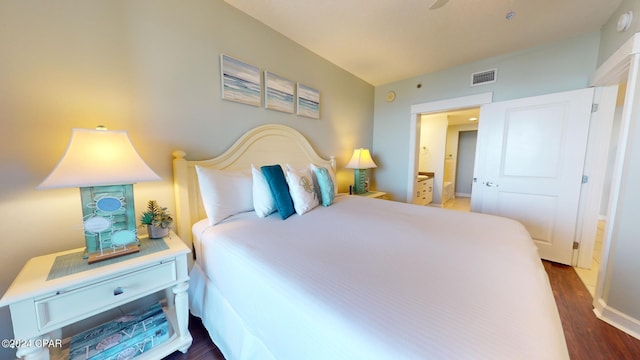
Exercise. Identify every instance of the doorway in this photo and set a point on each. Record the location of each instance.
(441, 153)
(587, 226)
(588, 266)
(467, 141)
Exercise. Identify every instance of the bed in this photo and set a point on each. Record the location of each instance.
(361, 278)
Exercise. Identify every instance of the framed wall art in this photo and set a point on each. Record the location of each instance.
(308, 102)
(241, 82)
(278, 93)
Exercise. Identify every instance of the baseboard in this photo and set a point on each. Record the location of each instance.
(616, 318)
(463, 195)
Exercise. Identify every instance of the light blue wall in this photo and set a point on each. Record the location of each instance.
(560, 66)
(150, 67)
(610, 38)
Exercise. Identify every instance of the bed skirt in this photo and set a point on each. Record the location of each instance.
(206, 302)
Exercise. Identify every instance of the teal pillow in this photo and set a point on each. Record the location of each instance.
(279, 190)
(325, 183)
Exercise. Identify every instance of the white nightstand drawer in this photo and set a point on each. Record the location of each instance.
(57, 310)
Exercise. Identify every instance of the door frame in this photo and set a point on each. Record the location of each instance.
(598, 143)
(434, 107)
(623, 65)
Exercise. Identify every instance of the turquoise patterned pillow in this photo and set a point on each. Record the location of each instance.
(325, 183)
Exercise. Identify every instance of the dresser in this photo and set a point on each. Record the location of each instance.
(424, 190)
(47, 296)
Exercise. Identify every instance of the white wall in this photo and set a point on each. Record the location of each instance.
(150, 67)
(433, 139)
(560, 66)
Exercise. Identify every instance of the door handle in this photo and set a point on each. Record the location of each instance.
(490, 184)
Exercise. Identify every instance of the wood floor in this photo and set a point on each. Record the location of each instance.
(588, 338)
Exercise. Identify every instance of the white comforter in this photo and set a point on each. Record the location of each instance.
(373, 279)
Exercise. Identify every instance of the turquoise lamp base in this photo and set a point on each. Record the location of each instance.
(359, 181)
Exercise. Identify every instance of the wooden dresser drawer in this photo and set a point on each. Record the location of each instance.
(424, 192)
(63, 308)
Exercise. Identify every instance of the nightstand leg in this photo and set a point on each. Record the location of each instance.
(181, 303)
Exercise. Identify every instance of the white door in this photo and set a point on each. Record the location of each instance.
(530, 160)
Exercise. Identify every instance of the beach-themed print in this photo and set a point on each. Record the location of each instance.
(308, 102)
(279, 93)
(241, 82)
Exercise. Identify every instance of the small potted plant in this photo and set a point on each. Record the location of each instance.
(157, 219)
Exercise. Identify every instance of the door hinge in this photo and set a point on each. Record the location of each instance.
(585, 179)
(576, 245)
(594, 108)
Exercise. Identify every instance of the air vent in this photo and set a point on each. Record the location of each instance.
(484, 77)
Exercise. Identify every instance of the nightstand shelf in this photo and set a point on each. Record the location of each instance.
(45, 296)
(375, 194)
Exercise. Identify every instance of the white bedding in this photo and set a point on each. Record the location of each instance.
(373, 279)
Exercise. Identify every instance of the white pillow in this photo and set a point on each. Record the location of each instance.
(332, 174)
(302, 190)
(263, 202)
(224, 193)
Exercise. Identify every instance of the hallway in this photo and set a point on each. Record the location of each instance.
(459, 204)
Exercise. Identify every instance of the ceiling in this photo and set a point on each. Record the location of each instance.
(382, 41)
(462, 117)
(459, 117)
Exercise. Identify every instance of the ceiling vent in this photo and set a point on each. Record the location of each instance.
(484, 77)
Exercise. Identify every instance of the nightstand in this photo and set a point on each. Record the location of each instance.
(57, 290)
(375, 194)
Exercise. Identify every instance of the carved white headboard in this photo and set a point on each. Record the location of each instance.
(263, 145)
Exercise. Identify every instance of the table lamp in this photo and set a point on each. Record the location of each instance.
(360, 162)
(104, 165)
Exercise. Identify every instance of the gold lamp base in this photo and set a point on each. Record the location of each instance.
(110, 254)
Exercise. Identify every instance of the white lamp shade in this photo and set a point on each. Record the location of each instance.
(361, 159)
(98, 158)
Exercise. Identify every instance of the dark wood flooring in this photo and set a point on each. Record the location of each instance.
(202, 347)
(588, 338)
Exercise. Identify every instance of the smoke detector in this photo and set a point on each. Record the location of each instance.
(624, 21)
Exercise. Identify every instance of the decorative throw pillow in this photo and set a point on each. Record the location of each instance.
(332, 176)
(301, 189)
(279, 190)
(263, 202)
(224, 193)
(325, 185)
